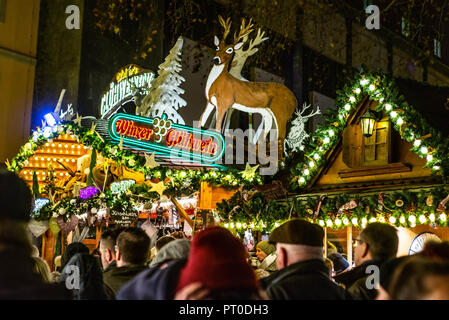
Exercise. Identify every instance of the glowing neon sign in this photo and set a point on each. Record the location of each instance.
(166, 138)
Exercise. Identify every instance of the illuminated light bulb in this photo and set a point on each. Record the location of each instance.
(239, 225)
(417, 143)
(321, 223)
(422, 219)
(443, 217)
(358, 90)
(372, 87)
(37, 172)
(354, 221)
(47, 144)
(392, 220)
(60, 145)
(226, 225)
(436, 167)
(311, 164)
(429, 158)
(306, 172)
(302, 180)
(347, 107)
(276, 224)
(364, 82)
(316, 156)
(394, 114)
(66, 146)
(432, 217)
(412, 219)
(372, 220)
(402, 219)
(364, 221)
(338, 222)
(331, 133)
(399, 121)
(381, 99)
(232, 225)
(340, 116)
(73, 146)
(345, 221)
(352, 99)
(329, 223)
(301, 148)
(52, 144)
(73, 160)
(382, 219)
(252, 225)
(424, 150)
(326, 140)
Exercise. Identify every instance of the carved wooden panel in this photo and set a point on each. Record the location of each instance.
(352, 145)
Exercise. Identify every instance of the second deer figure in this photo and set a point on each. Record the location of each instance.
(274, 101)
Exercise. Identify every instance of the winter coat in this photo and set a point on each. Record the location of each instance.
(154, 283)
(90, 284)
(115, 278)
(18, 282)
(306, 280)
(355, 280)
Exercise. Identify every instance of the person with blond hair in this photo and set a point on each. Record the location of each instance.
(42, 269)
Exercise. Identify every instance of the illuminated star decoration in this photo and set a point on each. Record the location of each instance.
(8, 165)
(158, 187)
(150, 162)
(78, 119)
(249, 172)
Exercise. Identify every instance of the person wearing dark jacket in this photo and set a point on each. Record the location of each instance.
(376, 244)
(17, 279)
(215, 269)
(133, 246)
(71, 250)
(302, 274)
(108, 241)
(84, 277)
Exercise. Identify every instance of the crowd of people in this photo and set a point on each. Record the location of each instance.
(214, 264)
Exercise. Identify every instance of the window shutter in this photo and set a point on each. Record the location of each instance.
(352, 145)
(377, 148)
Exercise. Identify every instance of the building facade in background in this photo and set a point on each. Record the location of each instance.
(19, 22)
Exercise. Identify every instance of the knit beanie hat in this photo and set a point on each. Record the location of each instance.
(266, 247)
(217, 260)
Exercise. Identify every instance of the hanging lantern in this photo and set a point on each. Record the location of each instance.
(368, 120)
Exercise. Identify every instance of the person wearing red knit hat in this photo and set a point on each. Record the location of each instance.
(217, 269)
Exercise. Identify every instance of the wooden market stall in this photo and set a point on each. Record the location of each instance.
(382, 157)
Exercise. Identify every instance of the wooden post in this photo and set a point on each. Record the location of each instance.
(325, 242)
(349, 245)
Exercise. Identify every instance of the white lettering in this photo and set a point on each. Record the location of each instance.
(373, 21)
(72, 21)
(372, 282)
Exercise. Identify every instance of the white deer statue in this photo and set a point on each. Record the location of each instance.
(274, 101)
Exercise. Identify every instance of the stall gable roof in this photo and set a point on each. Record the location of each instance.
(428, 133)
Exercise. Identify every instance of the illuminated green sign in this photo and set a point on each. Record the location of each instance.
(166, 138)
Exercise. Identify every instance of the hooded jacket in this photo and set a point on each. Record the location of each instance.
(115, 278)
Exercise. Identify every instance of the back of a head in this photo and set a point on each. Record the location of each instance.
(71, 250)
(382, 240)
(340, 263)
(162, 241)
(109, 237)
(419, 278)
(41, 269)
(436, 250)
(217, 259)
(175, 250)
(15, 211)
(90, 277)
(134, 245)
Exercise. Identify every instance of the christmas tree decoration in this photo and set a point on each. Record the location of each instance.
(121, 186)
(164, 96)
(93, 162)
(35, 188)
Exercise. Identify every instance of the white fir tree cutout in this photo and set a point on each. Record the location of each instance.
(164, 96)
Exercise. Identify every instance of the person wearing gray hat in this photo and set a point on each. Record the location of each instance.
(302, 274)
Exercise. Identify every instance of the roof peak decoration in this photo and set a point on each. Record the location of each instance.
(428, 142)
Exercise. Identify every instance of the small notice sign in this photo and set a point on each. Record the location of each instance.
(124, 219)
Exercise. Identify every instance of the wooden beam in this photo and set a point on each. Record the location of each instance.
(182, 212)
(375, 170)
(349, 245)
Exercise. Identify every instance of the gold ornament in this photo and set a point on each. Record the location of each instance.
(78, 119)
(150, 162)
(158, 187)
(399, 203)
(429, 200)
(92, 128)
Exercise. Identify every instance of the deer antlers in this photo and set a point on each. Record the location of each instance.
(226, 26)
(244, 31)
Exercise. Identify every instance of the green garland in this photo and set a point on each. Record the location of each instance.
(406, 120)
(403, 208)
(179, 182)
